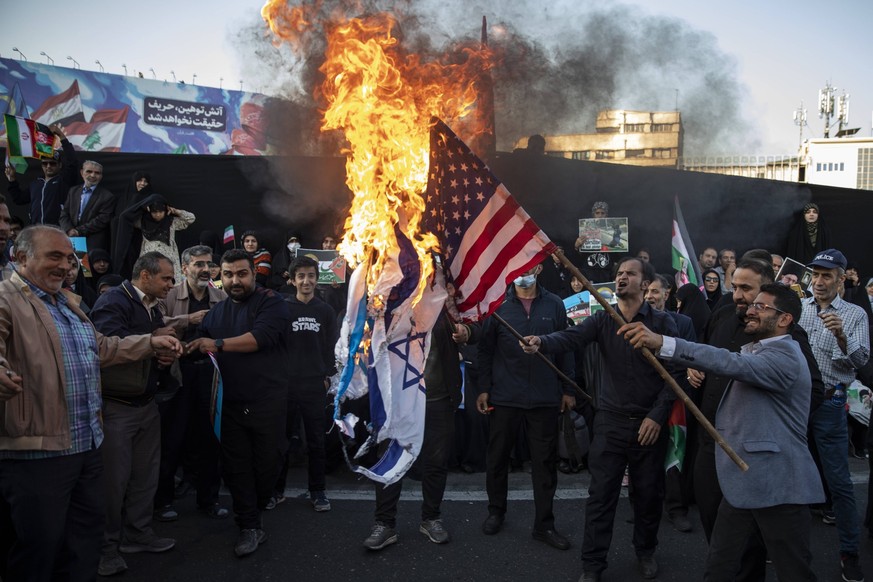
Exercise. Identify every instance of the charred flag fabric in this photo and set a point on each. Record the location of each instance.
(381, 352)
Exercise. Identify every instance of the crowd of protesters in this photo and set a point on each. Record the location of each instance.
(126, 418)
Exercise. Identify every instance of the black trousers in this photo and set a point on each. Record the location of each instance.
(58, 510)
(187, 431)
(707, 493)
(439, 427)
(542, 439)
(613, 448)
(308, 398)
(785, 530)
(252, 441)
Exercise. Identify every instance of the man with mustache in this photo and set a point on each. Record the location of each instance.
(247, 333)
(633, 404)
(188, 412)
(52, 489)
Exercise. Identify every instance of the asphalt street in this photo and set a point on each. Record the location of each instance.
(304, 545)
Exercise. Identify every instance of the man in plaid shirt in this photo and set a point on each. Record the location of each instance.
(840, 341)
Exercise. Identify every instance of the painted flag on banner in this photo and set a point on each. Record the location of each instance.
(382, 352)
(228, 235)
(15, 104)
(217, 397)
(64, 108)
(486, 238)
(27, 138)
(684, 257)
(677, 429)
(104, 133)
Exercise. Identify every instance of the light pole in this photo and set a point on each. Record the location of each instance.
(240, 85)
(21, 56)
(153, 74)
(194, 80)
(48, 59)
(75, 62)
(125, 69)
(99, 64)
(174, 75)
(220, 80)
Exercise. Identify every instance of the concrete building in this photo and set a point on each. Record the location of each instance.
(843, 162)
(639, 138)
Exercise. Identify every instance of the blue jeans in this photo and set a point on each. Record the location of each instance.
(832, 439)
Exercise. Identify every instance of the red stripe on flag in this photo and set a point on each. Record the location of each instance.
(483, 240)
(497, 262)
(56, 100)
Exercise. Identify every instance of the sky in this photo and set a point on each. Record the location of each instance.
(783, 52)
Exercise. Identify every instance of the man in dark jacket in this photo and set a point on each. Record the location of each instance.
(45, 196)
(516, 389)
(248, 335)
(311, 339)
(633, 408)
(131, 422)
(89, 208)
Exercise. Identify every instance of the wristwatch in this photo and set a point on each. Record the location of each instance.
(219, 345)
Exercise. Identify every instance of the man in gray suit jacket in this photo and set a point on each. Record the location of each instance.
(764, 414)
(89, 208)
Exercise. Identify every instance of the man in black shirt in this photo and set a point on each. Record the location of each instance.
(634, 405)
(248, 335)
(311, 340)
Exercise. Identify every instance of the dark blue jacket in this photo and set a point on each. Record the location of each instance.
(511, 377)
(120, 312)
(45, 197)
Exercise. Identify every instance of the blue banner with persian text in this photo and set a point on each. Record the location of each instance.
(107, 112)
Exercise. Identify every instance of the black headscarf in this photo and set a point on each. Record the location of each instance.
(712, 297)
(155, 230)
(694, 306)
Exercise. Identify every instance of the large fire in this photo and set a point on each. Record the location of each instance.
(382, 98)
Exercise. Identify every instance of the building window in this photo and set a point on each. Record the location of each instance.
(634, 127)
(634, 153)
(818, 167)
(605, 155)
(662, 153)
(583, 155)
(662, 127)
(864, 181)
(842, 166)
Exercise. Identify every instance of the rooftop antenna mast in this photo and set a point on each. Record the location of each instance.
(800, 120)
(826, 107)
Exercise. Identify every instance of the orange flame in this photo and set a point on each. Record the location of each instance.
(382, 98)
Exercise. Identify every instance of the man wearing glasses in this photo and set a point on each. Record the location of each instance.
(727, 329)
(764, 416)
(45, 196)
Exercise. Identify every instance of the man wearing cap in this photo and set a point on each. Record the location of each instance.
(45, 196)
(840, 339)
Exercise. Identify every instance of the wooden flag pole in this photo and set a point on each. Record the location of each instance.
(650, 357)
(543, 357)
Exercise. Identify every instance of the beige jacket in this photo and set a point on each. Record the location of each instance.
(175, 306)
(36, 419)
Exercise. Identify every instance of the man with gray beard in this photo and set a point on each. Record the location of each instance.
(187, 413)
